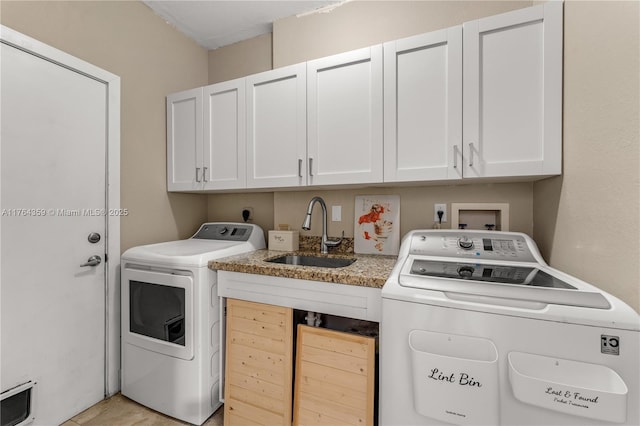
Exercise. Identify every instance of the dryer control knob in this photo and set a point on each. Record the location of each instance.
(223, 230)
(465, 243)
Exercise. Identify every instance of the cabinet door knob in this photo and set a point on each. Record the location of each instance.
(204, 174)
(197, 171)
(470, 154)
(299, 167)
(310, 166)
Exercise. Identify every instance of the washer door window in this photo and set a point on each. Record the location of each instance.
(157, 311)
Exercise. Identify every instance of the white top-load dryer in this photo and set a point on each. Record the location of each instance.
(171, 320)
(478, 330)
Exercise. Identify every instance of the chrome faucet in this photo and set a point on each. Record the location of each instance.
(306, 225)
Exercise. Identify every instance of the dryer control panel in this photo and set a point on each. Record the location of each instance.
(224, 231)
(488, 245)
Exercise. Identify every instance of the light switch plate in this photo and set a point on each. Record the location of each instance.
(336, 213)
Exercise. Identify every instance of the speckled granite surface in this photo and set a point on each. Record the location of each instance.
(367, 270)
(311, 244)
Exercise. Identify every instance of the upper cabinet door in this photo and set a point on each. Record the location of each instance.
(276, 128)
(184, 140)
(344, 111)
(224, 144)
(423, 106)
(513, 93)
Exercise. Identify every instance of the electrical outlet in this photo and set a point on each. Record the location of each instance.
(243, 214)
(443, 209)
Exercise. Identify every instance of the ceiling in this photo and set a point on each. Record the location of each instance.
(216, 23)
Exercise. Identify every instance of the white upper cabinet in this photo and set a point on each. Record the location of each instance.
(481, 100)
(512, 116)
(344, 118)
(276, 128)
(224, 141)
(184, 140)
(423, 106)
(206, 138)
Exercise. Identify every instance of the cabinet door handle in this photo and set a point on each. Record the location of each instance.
(310, 166)
(471, 155)
(204, 174)
(197, 171)
(299, 167)
(455, 156)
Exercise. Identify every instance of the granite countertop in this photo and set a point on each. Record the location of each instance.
(367, 271)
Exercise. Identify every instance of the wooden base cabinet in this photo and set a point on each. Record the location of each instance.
(335, 378)
(259, 363)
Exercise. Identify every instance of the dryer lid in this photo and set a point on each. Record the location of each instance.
(212, 241)
(189, 252)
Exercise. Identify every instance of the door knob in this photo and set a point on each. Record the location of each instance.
(93, 261)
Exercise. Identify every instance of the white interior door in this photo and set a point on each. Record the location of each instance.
(54, 140)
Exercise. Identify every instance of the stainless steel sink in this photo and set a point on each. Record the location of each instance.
(323, 262)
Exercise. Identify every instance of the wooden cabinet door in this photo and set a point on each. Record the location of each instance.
(344, 111)
(276, 128)
(224, 138)
(335, 378)
(423, 106)
(512, 116)
(259, 363)
(184, 140)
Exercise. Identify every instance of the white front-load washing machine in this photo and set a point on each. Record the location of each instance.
(477, 329)
(171, 320)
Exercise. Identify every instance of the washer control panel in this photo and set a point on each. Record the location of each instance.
(465, 243)
(492, 245)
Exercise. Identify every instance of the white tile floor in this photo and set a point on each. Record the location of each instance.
(121, 411)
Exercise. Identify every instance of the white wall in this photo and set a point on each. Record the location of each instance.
(587, 221)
